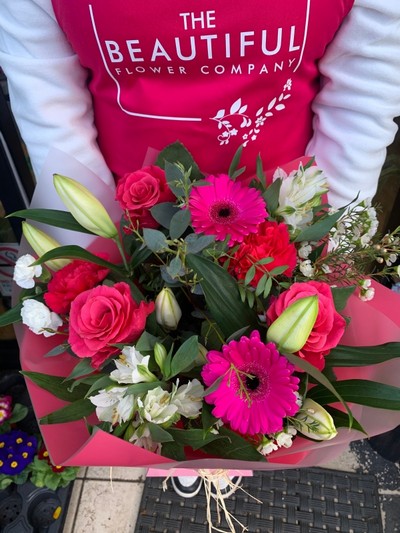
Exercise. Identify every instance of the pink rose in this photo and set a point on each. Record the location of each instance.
(328, 328)
(137, 192)
(70, 281)
(103, 316)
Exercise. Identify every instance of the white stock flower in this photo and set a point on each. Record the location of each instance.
(305, 250)
(189, 399)
(156, 406)
(132, 367)
(306, 268)
(113, 405)
(24, 272)
(285, 438)
(39, 318)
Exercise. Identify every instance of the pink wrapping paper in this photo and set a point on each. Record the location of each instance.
(374, 322)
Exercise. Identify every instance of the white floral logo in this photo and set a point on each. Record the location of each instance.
(237, 117)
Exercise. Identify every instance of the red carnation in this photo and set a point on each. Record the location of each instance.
(68, 282)
(271, 240)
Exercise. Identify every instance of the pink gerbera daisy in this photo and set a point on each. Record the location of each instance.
(226, 207)
(257, 390)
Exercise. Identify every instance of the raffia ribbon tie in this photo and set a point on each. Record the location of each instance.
(211, 479)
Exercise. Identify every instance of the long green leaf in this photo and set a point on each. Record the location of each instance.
(222, 296)
(195, 438)
(76, 252)
(57, 386)
(140, 388)
(158, 434)
(350, 356)
(235, 161)
(318, 376)
(52, 217)
(11, 316)
(341, 419)
(83, 368)
(320, 228)
(185, 356)
(74, 411)
(238, 448)
(362, 392)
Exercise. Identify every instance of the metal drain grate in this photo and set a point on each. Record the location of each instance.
(311, 500)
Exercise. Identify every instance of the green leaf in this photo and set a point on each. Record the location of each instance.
(278, 270)
(318, 376)
(341, 420)
(158, 434)
(179, 223)
(173, 451)
(174, 176)
(260, 172)
(146, 342)
(320, 228)
(57, 350)
(235, 448)
(163, 213)
(52, 217)
(19, 412)
(237, 334)
(222, 296)
(83, 368)
(185, 356)
(360, 391)
(195, 438)
(76, 252)
(57, 386)
(74, 411)
(268, 287)
(101, 383)
(341, 295)
(11, 316)
(175, 267)
(178, 152)
(351, 356)
(250, 275)
(155, 240)
(140, 388)
(271, 196)
(235, 161)
(196, 243)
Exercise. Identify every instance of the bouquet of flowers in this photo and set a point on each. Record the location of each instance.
(212, 329)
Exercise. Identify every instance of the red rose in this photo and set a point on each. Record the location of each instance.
(271, 240)
(137, 192)
(328, 328)
(103, 316)
(71, 280)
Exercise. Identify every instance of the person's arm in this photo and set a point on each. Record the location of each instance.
(47, 85)
(359, 98)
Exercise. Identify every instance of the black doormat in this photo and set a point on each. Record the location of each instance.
(310, 500)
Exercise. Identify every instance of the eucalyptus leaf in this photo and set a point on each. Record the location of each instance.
(178, 152)
(154, 240)
(175, 268)
(74, 411)
(179, 223)
(196, 243)
(174, 176)
(360, 391)
(52, 217)
(163, 213)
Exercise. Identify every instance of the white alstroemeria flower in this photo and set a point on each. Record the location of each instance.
(24, 272)
(39, 318)
(189, 399)
(300, 191)
(267, 446)
(306, 268)
(132, 367)
(142, 438)
(156, 406)
(285, 438)
(113, 405)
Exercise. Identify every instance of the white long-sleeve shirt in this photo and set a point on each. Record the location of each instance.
(354, 109)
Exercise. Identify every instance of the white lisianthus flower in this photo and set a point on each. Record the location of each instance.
(39, 318)
(24, 272)
(306, 268)
(132, 367)
(189, 399)
(267, 446)
(285, 438)
(300, 191)
(113, 405)
(156, 406)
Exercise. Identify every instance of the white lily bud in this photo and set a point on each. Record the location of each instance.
(42, 243)
(168, 312)
(315, 422)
